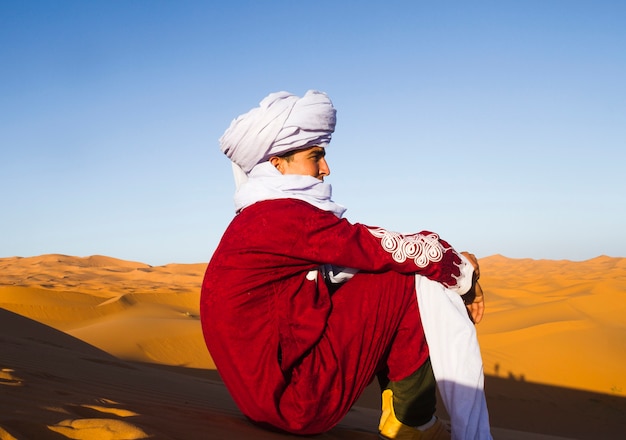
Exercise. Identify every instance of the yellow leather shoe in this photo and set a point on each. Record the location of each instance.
(392, 428)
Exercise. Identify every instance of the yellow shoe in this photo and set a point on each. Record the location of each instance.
(392, 428)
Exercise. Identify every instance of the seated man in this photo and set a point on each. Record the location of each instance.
(302, 309)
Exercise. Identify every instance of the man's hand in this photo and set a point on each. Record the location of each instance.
(474, 299)
(475, 307)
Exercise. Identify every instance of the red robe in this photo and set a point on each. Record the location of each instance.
(293, 355)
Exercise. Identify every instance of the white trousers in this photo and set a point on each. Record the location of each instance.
(456, 359)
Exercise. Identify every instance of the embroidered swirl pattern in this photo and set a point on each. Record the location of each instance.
(422, 249)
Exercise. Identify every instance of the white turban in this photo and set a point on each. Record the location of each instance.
(283, 122)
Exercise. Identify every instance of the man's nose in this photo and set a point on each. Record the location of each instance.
(324, 168)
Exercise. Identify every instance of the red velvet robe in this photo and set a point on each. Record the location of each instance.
(293, 355)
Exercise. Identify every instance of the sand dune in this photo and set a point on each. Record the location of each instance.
(103, 348)
(556, 322)
(102, 300)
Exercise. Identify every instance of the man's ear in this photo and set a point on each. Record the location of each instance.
(277, 162)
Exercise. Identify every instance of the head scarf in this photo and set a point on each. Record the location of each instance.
(283, 122)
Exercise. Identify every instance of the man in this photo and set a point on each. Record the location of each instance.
(301, 309)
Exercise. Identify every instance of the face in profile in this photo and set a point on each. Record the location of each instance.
(307, 162)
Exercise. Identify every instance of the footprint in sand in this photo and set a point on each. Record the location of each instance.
(7, 377)
(4, 435)
(105, 429)
(101, 428)
(117, 411)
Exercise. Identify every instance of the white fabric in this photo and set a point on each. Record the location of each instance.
(455, 357)
(265, 182)
(283, 122)
(337, 274)
(240, 175)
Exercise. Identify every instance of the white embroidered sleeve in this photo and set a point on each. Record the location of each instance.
(423, 249)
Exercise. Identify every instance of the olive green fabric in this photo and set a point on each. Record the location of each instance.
(414, 397)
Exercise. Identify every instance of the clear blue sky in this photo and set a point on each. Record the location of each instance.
(501, 125)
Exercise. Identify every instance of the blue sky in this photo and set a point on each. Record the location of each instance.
(501, 125)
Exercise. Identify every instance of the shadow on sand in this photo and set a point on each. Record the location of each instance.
(58, 377)
(515, 404)
(536, 408)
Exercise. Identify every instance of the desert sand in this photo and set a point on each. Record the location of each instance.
(100, 348)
